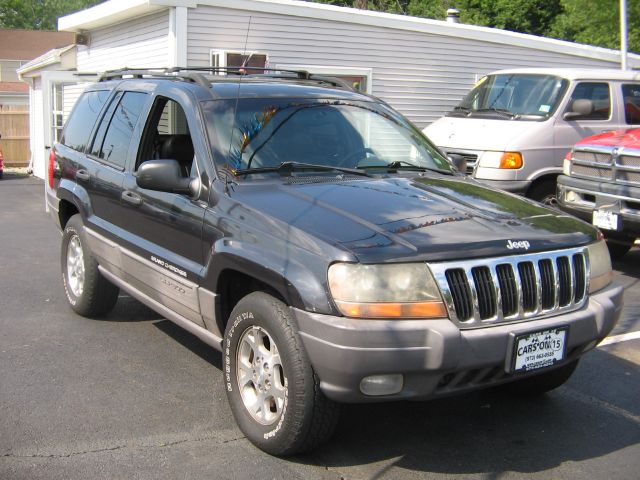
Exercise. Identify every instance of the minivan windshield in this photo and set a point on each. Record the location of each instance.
(265, 136)
(514, 96)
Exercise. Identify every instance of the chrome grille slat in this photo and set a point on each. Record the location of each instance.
(513, 288)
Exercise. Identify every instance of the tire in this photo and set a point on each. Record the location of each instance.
(264, 357)
(88, 292)
(545, 193)
(618, 248)
(541, 383)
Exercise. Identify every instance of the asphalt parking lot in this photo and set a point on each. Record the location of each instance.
(133, 396)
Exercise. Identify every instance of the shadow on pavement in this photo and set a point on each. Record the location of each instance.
(490, 432)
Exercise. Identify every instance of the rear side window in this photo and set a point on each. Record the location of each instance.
(76, 133)
(631, 96)
(112, 145)
(598, 93)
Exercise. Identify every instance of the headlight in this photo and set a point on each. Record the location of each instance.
(385, 291)
(600, 264)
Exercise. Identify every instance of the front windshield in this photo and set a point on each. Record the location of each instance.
(514, 94)
(268, 132)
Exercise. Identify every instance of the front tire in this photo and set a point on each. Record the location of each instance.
(88, 292)
(545, 193)
(271, 386)
(542, 382)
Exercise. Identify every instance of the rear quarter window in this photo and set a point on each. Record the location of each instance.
(83, 118)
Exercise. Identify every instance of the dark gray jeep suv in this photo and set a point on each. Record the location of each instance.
(321, 242)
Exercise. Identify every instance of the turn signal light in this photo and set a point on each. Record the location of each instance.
(393, 310)
(511, 160)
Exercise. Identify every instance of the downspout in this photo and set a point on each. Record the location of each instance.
(623, 34)
(177, 37)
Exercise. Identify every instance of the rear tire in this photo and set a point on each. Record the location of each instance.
(541, 383)
(271, 386)
(618, 248)
(88, 292)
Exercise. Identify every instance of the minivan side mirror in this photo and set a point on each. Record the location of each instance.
(163, 176)
(580, 108)
(459, 162)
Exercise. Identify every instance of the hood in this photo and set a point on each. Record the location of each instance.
(629, 138)
(481, 133)
(414, 219)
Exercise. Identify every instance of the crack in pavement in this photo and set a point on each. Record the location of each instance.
(120, 447)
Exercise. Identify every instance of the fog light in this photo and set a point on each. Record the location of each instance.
(570, 196)
(381, 384)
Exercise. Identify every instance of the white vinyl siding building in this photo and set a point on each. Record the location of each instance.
(421, 67)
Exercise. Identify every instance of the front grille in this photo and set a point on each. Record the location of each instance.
(505, 289)
(593, 172)
(607, 164)
(470, 158)
(592, 157)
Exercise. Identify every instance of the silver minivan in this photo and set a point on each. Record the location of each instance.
(515, 126)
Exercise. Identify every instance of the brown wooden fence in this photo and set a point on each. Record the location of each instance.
(14, 128)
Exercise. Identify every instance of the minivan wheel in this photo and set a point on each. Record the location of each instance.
(271, 386)
(542, 382)
(88, 292)
(545, 193)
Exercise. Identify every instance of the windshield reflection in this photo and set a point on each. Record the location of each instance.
(513, 96)
(265, 133)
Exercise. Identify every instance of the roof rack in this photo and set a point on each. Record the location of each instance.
(192, 74)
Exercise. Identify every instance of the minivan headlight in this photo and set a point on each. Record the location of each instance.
(600, 266)
(405, 290)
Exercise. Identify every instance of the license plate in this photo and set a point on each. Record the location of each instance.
(539, 349)
(605, 219)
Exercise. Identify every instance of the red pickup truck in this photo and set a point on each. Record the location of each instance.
(601, 184)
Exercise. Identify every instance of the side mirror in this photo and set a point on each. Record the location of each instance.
(459, 162)
(163, 176)
(580, 108)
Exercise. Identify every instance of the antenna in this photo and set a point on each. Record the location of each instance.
(235, 110)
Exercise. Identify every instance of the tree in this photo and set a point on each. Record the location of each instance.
(593, 23)
(38, 14)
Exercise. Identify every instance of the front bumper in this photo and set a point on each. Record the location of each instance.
(434, 356)
(588, 195)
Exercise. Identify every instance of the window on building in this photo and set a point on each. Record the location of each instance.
(631, 96)
(57, 112)
(82, 119)
(236, 60)
(599, 94)
(114, 145)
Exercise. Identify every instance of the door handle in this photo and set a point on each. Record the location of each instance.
(82, 175)
(131, 197)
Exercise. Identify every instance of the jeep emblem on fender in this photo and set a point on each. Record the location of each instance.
(511, 245)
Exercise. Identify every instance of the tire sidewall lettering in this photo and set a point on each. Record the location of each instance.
(229, 366)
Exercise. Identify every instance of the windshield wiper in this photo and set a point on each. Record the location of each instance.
(500, 111)
(402, 165)
(287, 168)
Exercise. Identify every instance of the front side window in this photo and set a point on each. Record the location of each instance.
(114, 145)
(598, 93)
(513, 96)
(631, 96)
(265, 133)
(83, 118)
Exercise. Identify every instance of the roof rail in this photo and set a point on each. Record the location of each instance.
(192, 74)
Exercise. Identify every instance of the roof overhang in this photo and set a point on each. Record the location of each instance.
(114, 11)
(63, 58)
